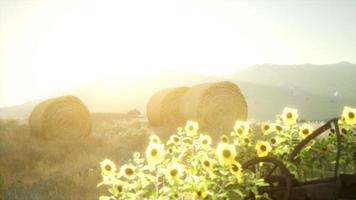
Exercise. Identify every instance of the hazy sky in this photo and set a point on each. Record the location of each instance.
(49, 45)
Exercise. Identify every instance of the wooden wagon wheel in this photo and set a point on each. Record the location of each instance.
(313, 135)
(277, 164)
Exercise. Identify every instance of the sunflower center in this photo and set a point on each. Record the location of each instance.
(266, 127)
(129, 171)
(351, 115)
(107, 167)
(278, 128)
(170, 150)
(235, 168)
(174, 172)
(186, 140)
(154, 152)
(240, 131)
(176, 139)
(119, 188)
(343, 130)
(224, 139)
(289, 115)
(226, 153)
(305, 131)
(246, 140)
(273, 141)
(205, 141)
(206, 163)
(199, 193)
(191, 128)
(263, 148)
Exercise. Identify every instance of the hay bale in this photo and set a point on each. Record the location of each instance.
(64, 117)
(216, 106)
(163, 108)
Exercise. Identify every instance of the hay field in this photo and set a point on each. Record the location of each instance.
(34, 169)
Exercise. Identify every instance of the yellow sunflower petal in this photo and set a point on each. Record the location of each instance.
(226, 153)
(349, 115)
(290, 116)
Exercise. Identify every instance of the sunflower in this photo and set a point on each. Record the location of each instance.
(208, 163)
(275, 140)
(119, 188)
(154, 139)
(236, 169)
(127, 170)
(305, 130)
(266, 128)
(108, 167)
(226, 153)
(240, 124)
(277, 127)
(241, 131)
(171, 150)
(174, 139)
(325, 149)
(174, 172)
(187, 140)
(154, 154)
(200, 194)
(344, 131)
(191, 128)
(137, 158)
(245, 141)
(289, 116)
(180, 131)
(311, 143)
(205, 140)
(349, 115)
(241, 128)
(332, 130)
(263, 148)
(119, 185)
(224, 139)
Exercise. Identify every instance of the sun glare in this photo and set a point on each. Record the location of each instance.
(63, 44)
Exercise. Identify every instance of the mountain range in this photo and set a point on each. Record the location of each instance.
(319, 92)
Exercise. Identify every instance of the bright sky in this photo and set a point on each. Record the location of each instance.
(50, 45)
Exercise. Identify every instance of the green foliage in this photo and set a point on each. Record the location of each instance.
(189, 167)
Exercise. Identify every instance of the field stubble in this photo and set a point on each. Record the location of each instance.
(37, 169)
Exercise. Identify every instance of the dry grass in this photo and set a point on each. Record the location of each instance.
(35, 169)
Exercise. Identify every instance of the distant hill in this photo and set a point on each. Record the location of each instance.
(19, 111)
(318, 91)
(323, 80)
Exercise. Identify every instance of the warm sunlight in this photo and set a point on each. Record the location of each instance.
(53, 45)
(177, 99)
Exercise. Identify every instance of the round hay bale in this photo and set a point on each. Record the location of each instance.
(64, 117)
(216, 106)
(163, 107)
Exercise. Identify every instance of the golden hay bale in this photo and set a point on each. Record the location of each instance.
(216, 106)
(163, 107)
(64, 117)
